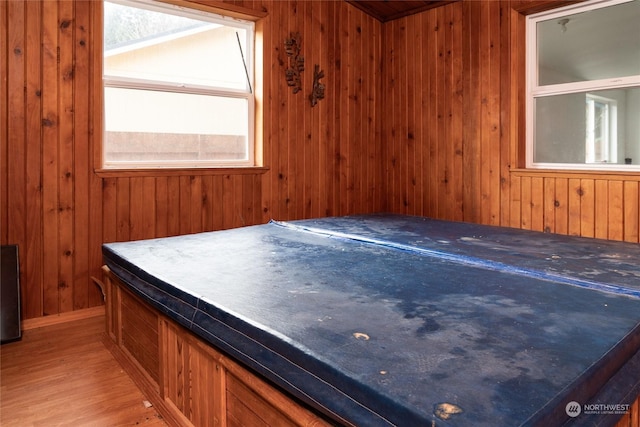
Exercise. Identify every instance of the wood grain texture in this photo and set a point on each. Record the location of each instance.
(422, 115)
(321, 161)
(469, 117)
(64, 375)
(191, 382)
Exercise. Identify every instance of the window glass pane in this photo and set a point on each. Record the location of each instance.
(142, 125)
(597, 44)
(145, 44)
(597, 127)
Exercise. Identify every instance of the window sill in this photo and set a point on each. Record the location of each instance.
(156, 172)
(565, 173)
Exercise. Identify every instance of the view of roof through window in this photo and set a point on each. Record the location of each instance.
(177, 86)
(129, 25)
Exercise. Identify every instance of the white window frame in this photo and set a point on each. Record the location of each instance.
(536, 91)
(609, 131)
(143, 84)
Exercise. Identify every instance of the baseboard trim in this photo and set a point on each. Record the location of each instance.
(55, 319)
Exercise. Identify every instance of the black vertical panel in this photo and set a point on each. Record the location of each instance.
(10, 297)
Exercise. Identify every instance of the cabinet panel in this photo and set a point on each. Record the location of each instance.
(139, 333)
(189, 381)
(193, 378)
(246, 408)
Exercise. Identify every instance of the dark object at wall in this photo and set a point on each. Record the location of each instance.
(293, 47)
(318, 88)
(10, 298)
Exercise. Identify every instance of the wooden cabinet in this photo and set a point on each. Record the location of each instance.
(190, 382)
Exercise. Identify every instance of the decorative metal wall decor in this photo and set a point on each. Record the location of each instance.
(318, 88)
(292, 47)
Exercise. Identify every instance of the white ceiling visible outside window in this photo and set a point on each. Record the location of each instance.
(575, 55)
(177, 87)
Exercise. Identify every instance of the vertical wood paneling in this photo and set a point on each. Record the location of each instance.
(49, 141)
(280, 144)
(333, 150)
(491, 115)
(423, 137)
(142, 206)
(561, 204)
(16, 122)
(489, 57)
(207, 203)
(123, 210)
(342, 96)
(81, 165)
(631, 211)
(162, 207)
(98, 209)
(507, 116)
(442, 173)
(66, 207)
(32, 251)
(574, 203)
(110, 222)
(415, 135)
(174, 211)
(295, 157)
(515, 210)
(312, 12)
(471, 90)
(404, 144)
(549, 219)
(601, 213)
(615, 211)
(421, 115)
(322, 160)
(431, 119)
(389, 74)
(537, 204)
(526, 201)
(4, 119)
(456, 112)
(587, 208)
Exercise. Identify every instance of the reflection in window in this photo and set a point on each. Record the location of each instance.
(601, 131)
(177, 87)
(583, 87)
(594, 129)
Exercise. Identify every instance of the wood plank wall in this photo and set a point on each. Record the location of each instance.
(454, 123)
(422, 115)
(321, 161)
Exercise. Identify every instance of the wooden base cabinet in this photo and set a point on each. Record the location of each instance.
(188, 381)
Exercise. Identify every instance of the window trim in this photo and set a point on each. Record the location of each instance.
(228, 12)
(610, 122)
(533, 90)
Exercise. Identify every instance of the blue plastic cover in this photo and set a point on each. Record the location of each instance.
(399, 320)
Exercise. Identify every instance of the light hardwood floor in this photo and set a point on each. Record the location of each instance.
(63, 375)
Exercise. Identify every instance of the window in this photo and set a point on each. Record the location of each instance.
(177, 87)
(583, 87)
(601, 131)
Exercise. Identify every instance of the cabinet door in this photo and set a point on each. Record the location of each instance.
(193, 377)
(245, 407)
(139, 333)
